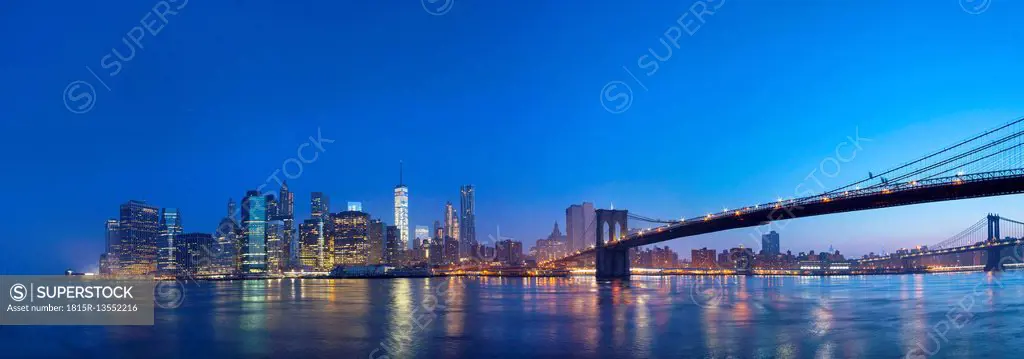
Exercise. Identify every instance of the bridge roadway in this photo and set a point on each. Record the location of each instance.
(962, 249)
(978, 185)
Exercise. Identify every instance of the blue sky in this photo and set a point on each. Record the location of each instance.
(503, 95)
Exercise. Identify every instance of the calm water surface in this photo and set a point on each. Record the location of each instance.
(648, 317)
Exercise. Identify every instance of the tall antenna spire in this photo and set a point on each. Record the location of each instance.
(400, 170)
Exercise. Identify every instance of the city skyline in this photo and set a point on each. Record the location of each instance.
(529, 152)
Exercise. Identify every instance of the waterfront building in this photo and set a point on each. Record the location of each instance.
(741, 258)
(552, 247)
(319, 205)
(421, 233)
(350, 237)
(770, 243)
(655, 257)
(254, 234)
(108, 260)
(286, 214)
(467, 222)
(703, 258)
(228, 239)
(579, 226)
(311, 245)
(724, 260)
(393, 249)
(170, 227)
(402, 211)
(377, 245)
(451, 250)
(451, 222)
(275, 246)
(193, 254)
(509, 252)
(139, 229)
(436, 252)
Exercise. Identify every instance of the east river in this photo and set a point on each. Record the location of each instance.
(926, 315)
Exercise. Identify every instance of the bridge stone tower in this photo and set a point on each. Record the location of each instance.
(612, 263)
(992, 255)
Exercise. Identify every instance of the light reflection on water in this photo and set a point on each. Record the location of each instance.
(649, 316)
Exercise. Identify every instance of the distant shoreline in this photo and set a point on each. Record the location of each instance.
(567, 276)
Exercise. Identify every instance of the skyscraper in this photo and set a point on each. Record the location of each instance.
(320, 209)
(311, 246)
(170, 227)
(286, 209)
(355, 206)
(451, 222)
(319, 205)
(275, 246)
(227, 236)
(392, 245)
(452, 248)
(112, 239)
(770, 243)
(375, 236)
(139, 233)
(509, 252)
(422, 232)
(422, 235)
(436, 252)
(193, 255)
(579, 226)
(108, 260)
(402, 211)
(286, 213)
(351, 245)
(467, 225)
(254, 234)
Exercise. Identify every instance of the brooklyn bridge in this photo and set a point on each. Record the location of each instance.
(984, 165)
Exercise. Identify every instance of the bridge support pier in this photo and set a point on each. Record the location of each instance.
(993, 261)
(611, 263)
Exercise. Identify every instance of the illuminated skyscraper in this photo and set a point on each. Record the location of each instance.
(170, 227)
(286, 213)
(227, 236)
(276, 260)
(139, 232)
(108, 260)
(275, 246)
(467, 223)
(254, 234)
(402, 211)
(355, 206)
(286, 207)
(112, 239)
(451, 222)
(311, 246)
(320, 209)
(319, 205)
(351, 242)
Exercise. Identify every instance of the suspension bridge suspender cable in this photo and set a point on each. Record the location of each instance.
(929, 155)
